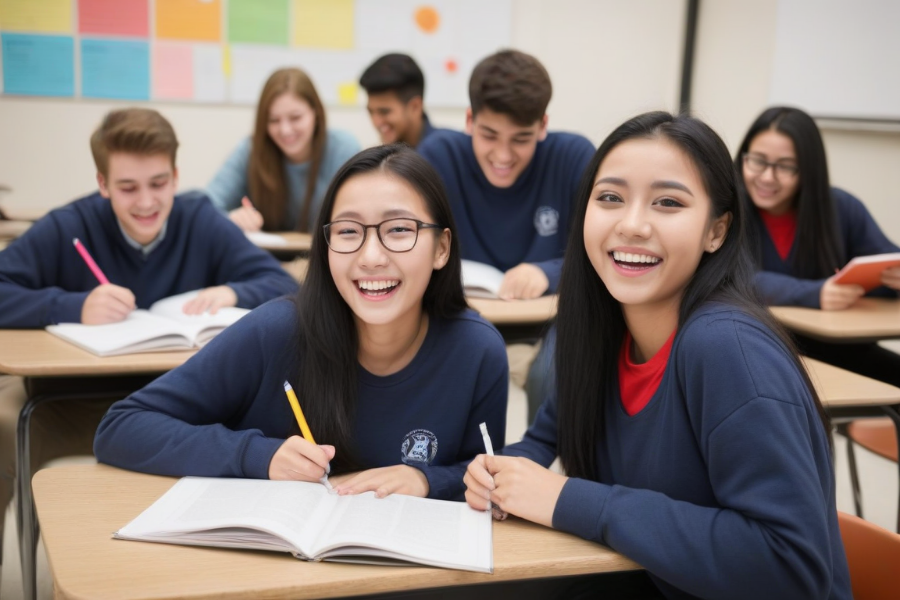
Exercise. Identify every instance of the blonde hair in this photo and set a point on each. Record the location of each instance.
(134, 130)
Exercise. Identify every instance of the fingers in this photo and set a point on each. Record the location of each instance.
(891, 278)
(835, 296)
(247, 217)
(384, 481)
(479, 483)
(210, 299)
(523, 282)
(107, 303)
(300, 460)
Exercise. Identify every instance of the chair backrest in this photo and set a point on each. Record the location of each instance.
(873, 554)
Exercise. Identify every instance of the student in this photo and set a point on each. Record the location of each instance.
(510, 181)
(693, 440)
(149, 243)
(275, 179)
(802, 230)
(396, 87)
(393, 373)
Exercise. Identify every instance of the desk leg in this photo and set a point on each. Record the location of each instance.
(26, 518)
(894, 413)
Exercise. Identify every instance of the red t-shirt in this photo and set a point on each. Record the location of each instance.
(638, 382)
(782, 229)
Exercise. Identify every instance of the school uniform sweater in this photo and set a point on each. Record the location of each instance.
(722, 486)
(859, 234)
(232, 181)
(224, 412)
(43, 279)
(527, 222)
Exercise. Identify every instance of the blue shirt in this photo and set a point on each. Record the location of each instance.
(224, 412)
(231, 183)
(43, 279)
(527, 222)
(723, 485)
(859, 234)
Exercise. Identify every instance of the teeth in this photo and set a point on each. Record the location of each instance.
(377, 285)
(628, 257)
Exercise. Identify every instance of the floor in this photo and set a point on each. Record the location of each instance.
(878, 478)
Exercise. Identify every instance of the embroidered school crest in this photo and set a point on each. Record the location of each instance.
(419, 446)
(546, 221)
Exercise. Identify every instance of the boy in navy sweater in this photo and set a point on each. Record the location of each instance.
(149, 243)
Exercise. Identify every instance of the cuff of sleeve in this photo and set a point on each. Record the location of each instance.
(67, 308)
(444, 483)
(579, 509)
(552, 269)
(258, 455)
(240, 291)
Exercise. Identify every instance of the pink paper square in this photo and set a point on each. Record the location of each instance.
(114, 17)
(173, 71)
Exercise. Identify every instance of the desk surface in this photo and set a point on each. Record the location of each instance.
(505, 312)
(10, 230)
(36, 353)
(868, 320)
(839, 388)
(79, 507)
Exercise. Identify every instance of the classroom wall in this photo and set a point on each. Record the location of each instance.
(734, 62)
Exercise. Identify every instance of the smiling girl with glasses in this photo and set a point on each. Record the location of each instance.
(393, 372)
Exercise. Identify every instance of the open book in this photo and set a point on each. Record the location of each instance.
(312, 524)
(265, 240)
(481, 280)
(163, 327)
(866, 270)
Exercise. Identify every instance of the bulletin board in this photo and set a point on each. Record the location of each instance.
(222, 51)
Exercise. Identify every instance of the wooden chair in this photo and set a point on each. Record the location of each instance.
(878, 436)
(873, 554)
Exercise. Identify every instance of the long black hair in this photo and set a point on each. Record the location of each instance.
(327, 338)
(819, 247)
(590, 323)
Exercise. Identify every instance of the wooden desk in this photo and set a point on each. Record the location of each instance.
(10, 230)
(293, 244)
(81, 505)
(49, 366)
(868, 320)
(839, 388)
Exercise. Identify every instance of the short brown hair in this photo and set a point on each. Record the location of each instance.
(133, 130)
(511, 83)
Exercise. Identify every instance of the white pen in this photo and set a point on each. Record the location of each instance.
(498, 512)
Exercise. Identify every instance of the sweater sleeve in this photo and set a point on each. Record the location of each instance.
(251, 272)
(230, 183)
(178, 424)
(768, 466)
(489, 407)
(29, 296)
(552, 269)
(779, 289)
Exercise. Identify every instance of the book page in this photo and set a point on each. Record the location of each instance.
(218, 512)
(265, 240)
(140, 331)
(481, 280)
(172, 308)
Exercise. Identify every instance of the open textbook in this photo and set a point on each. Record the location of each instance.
(163, 327)
(481, 280)
(311, 523)
(866, 270)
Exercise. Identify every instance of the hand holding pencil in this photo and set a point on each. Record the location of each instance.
(107, 303)
(300, 458)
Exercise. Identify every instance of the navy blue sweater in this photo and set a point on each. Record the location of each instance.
(43, 279)
(526, 222)
(722, 486)
(859, 233)
(224, 412)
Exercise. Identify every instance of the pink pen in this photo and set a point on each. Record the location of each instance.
(90, 262)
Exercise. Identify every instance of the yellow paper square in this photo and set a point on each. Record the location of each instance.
(323, 23)
(46, 16)
(348, 92)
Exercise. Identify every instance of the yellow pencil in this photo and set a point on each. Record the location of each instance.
(298, 412)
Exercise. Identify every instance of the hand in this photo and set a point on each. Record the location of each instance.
(299, 460)
(891, 278)
(107, 304)
(523, 282)
(837, 296)
(398, 479)
(516, 485)
(210, 299)
(247, 217)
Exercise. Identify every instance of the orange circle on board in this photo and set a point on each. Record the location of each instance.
(451, 65)
(428, 19)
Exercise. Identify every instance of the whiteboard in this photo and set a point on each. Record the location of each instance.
(838, 58)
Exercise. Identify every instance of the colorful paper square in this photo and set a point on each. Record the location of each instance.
(173, 71)
(258, 21)
(115, 69)
(323, 23)
(189, 20)
(38, 65)
(114, 17)
(36, 16)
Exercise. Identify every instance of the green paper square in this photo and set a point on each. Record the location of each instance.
(258, 21)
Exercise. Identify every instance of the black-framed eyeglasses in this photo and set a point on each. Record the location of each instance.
(758, 164)
(396, 235)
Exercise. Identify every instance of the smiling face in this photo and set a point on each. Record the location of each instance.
(291, 124)
(502, 147)
(141, 190)
(648, 224)
(771, 191)
(395, 120)
(385, 288)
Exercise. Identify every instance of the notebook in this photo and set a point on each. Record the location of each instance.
(161, 328)
(481, 280)
(307, 521)
(866, 270)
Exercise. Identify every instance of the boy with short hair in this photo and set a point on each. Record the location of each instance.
(395, 87)
(148, 242)
(511, 183)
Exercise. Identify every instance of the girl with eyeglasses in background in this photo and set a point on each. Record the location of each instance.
(393, 372)
(691, 437)
(802, 231)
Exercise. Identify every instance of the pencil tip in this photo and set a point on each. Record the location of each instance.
(287, 386)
